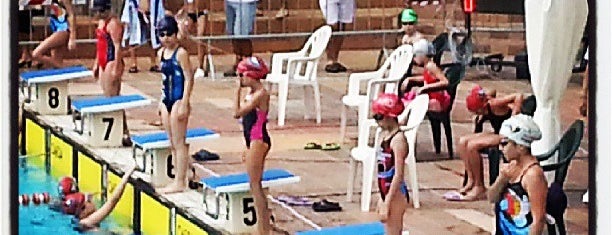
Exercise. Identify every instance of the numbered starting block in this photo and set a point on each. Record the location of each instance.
(51, 88)
(227, 199)
(157, 158)
(104, 117)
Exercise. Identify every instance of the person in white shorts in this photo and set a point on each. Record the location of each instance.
(337, 13)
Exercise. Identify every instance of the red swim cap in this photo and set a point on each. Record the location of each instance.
(476, 99)
(388, 104)
(67, 185)
(253, 67)
(73, 203)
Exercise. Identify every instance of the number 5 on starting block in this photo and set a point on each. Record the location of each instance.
(51, 87)
(229, 202)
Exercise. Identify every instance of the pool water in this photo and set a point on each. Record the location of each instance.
(40, 219)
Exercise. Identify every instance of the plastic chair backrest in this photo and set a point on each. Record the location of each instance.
(566, 148)
(399, 61)
(418, 109)
(314, 47)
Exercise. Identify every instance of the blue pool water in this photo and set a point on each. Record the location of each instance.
(39, 219)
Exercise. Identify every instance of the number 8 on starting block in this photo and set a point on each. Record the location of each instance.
(51, 88)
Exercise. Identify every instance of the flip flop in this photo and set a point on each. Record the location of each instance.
(133, 69)
(454, 196)
(330, 147)
(205, 155)
(312, 145)
(294, 201)
(458, 197)
(326, 206)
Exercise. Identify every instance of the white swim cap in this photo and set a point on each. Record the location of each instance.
(521, 129)
(423, 47)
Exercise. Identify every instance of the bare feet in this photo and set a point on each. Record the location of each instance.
(172, 188)
(468, 186)
(477, 193)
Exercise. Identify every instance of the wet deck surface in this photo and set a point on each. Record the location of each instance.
(324, 174)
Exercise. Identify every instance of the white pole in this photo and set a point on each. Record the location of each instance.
(603, 124)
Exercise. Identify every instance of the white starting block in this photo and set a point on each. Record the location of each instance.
(227, 199)
(51, 88)
(104, 116)
(156, 152)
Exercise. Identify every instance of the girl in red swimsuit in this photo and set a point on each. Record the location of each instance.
(433, 82)
(391, 156)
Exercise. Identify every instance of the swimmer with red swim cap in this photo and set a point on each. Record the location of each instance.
(84, 210)
(486, 106)
(390, 157)
(254, 114)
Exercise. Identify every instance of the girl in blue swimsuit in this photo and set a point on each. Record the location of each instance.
(390, 157)
(61, 22)
(254, 114)
(174, 108)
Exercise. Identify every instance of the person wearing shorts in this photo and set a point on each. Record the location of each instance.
(337, 13)
(240, 18)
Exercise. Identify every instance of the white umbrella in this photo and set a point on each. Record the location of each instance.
(554, 29)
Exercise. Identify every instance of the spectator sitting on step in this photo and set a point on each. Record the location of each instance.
(408, 19)
(486, 106)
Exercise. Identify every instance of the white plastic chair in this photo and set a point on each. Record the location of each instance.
(364, 152)
(395, 65)
(417, 110)
(306, 60)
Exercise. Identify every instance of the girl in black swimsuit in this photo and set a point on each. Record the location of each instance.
(390, 157)
(519, 193)
(496, 110)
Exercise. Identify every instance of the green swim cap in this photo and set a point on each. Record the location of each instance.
(409, 16)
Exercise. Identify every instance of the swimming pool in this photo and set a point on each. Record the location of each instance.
(40, 219)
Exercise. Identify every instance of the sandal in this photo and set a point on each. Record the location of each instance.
(204, 155)
(133, 69)
(126, 141)
(326, 206)
(312, 145)
(295, 201)
(330, 147)
(154, 69)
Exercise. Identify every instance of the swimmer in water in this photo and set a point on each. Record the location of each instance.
(85, 212)
(254, 114)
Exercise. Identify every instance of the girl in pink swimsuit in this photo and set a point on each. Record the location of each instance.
(254, 118)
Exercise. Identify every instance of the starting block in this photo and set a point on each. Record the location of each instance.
(376, 228)
(104, 116)
(231, 195)
(156, 152)
(51, 87)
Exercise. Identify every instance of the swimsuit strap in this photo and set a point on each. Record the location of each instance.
(525, 170)
(390, 137)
